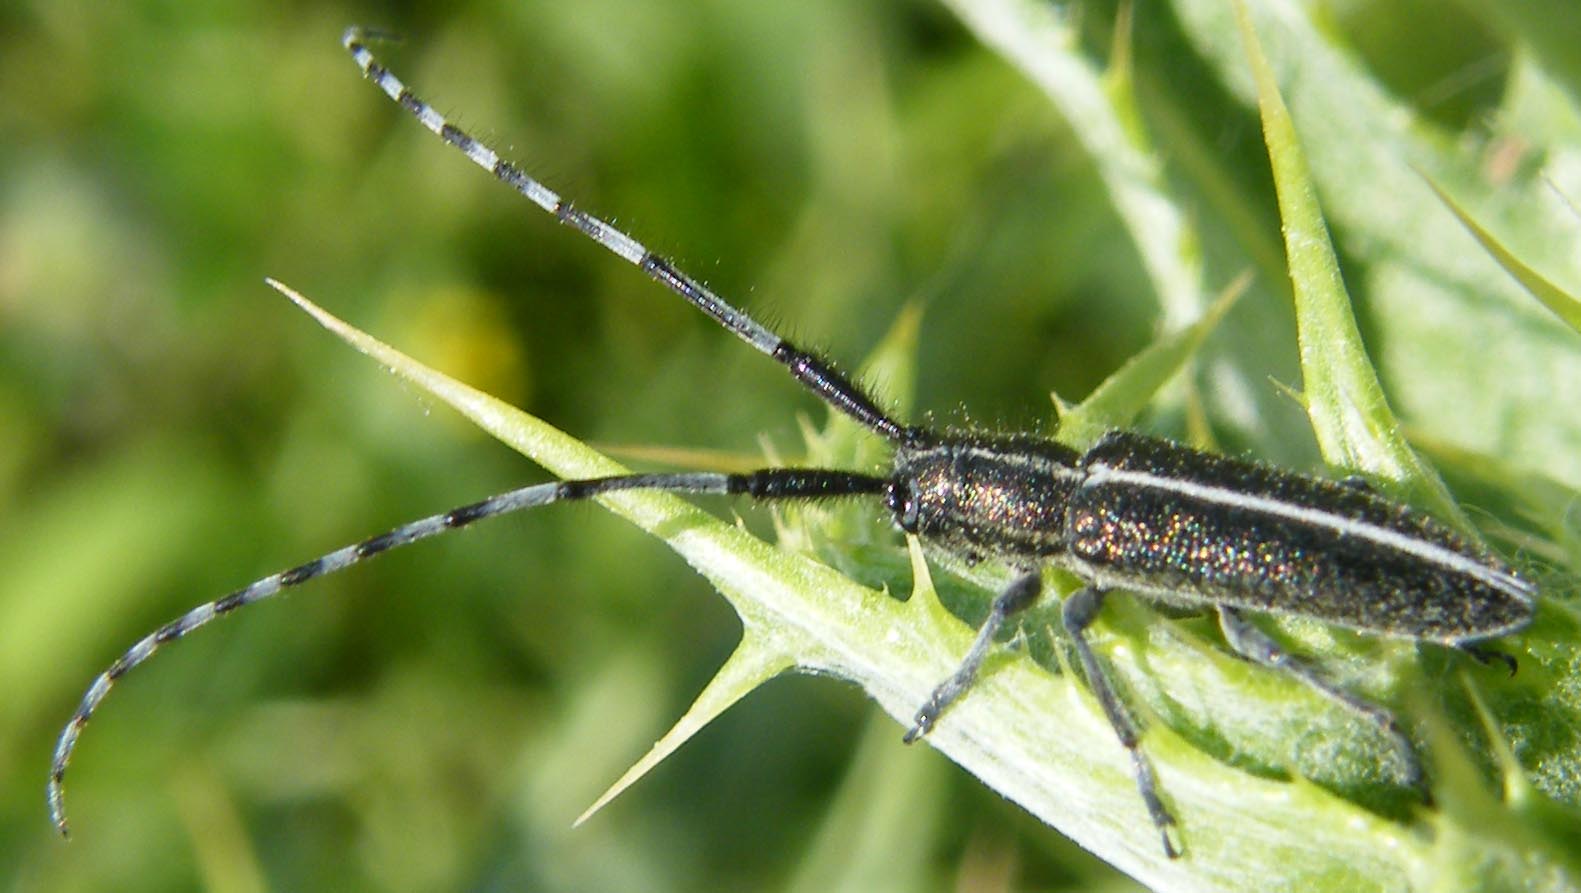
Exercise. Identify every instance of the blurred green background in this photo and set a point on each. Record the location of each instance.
(171, 429)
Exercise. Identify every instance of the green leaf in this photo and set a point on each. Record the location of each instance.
(1563, 304)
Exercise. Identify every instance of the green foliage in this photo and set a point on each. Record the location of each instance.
(1057, 189)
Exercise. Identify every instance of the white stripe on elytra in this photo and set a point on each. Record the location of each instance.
(1383, 536)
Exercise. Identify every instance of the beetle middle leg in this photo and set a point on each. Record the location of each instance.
(1256, 646)
(1079, 611)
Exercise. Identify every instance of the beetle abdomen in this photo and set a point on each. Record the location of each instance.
(1183, 525)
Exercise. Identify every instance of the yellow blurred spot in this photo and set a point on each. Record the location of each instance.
(463, 332)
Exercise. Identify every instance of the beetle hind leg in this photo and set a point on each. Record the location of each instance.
(1256, 646)
(1489, 656)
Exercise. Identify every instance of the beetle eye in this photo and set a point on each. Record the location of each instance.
(901, 499)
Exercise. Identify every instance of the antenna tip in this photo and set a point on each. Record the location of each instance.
(57, 811)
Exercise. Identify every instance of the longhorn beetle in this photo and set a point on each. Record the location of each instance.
(1136, 513)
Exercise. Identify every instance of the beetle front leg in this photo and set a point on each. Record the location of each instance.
(1013, 599)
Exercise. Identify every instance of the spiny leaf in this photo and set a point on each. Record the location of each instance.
(1039, 739)
(752, 664)
(1465, 356)
(1355, 427)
